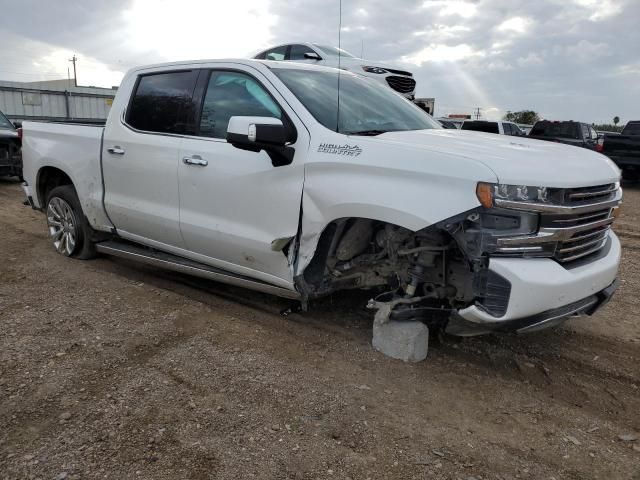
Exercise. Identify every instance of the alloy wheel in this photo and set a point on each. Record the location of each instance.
(62, 226)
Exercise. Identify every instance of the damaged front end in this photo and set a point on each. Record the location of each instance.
(423, 275)
(439, 273)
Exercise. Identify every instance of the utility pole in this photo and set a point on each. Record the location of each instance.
(73, 60)
(477, 113)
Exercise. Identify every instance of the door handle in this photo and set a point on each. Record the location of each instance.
(115, 150)
(195, 160)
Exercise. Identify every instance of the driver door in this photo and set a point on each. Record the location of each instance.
(237, 211)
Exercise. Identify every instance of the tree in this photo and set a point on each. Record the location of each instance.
(527, 117)
(616, 120)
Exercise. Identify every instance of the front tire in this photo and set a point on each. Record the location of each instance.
(68, 228)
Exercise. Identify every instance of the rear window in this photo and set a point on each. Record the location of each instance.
(163, 102)
(556, 129)
(632, 129)
(488, 127)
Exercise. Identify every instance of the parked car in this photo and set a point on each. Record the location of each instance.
(624, 150)
(501, 128)
(578, 134)
(242, 171)
(398, 79)
(10, 142)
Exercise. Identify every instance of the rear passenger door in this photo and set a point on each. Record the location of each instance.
(141, 155)
(506, 128)
(237, 211)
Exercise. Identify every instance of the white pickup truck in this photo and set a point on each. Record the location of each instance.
(256, 174)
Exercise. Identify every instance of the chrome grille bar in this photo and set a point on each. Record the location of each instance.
(575, 226)
(581, 195)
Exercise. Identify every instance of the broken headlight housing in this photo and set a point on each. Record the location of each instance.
(496, 194)
(504, 216)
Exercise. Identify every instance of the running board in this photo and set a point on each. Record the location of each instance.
(189, 267)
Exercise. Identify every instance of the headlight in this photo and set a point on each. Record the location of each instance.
(488, 193)
(374, 70)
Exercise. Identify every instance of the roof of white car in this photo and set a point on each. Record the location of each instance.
(242, 61)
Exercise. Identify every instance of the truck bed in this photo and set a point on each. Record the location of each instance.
(75, 149)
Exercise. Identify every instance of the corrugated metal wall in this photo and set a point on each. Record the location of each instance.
(21, 101)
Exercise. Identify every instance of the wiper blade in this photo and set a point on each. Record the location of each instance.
(368, 132)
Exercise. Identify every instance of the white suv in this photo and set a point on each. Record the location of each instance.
(399, 80)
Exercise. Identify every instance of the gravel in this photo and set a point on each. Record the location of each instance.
(161, 376)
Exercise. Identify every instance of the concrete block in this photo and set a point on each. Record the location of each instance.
(406, 341)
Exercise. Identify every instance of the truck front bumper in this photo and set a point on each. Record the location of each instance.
(543, 293)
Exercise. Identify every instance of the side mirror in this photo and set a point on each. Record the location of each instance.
(312, 56)
(261, 133)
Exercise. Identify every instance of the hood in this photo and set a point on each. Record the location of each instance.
(515, 160)
(361, 62)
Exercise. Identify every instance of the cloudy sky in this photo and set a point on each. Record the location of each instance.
(567, 59)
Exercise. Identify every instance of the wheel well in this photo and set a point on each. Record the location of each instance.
(48, 179)
(361, 253)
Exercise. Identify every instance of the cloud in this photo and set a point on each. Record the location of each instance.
(567, 58)
(441, 53)
(452, 7)
(514, 25)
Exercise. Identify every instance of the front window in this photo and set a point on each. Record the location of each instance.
(364, 107)
(334, 52)
(278, 53)
(4, 122)
(298, 52)
(231, 94)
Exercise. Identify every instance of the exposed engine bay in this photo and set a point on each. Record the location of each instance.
(422, 275)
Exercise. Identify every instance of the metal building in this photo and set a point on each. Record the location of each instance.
(55, 100)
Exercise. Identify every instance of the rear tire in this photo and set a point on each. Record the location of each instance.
(68, 228)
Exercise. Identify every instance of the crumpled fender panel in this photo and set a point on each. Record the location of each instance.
(387, 181)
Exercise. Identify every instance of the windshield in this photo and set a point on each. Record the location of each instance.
(555, 129)
(487, 127)
(334, 52)
(5, 123)
(366, 108)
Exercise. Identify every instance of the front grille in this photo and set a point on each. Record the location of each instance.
(402, 84)
(591, 231)
(565, 221)
(579, 196)
(575, 224)
(582, 244)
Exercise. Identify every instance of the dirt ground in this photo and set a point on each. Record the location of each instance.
(109, 369)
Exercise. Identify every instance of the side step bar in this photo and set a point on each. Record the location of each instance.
(189, 267)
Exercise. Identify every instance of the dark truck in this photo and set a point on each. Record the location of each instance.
(624, 150)
(573, 133)
(10, 143)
